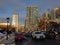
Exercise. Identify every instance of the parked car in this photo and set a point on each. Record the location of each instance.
(5, 33)
(1, 30)
(38, 35)
(50, 35)
(23, 33)
(19, 36)
(55, 30)
(28, 34)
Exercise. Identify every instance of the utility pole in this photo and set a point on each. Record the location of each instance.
(7, 26)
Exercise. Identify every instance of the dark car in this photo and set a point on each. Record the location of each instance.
(23, 33)
(50, 35)
(28, 34)
(19, 37)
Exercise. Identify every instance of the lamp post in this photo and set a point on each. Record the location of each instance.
(7, 25)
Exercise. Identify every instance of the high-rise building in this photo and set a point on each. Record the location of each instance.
(45, 15)
(54, 13)
(15, 21)
(32, 15)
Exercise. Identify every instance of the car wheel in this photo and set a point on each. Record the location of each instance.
(53, 37)
(35, 38)
(16, 40)
(32, 38)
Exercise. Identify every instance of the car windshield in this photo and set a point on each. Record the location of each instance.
(37, 32)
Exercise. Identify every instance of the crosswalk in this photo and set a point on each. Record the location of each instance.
(10, 40)
(7, 44)
(2, 39)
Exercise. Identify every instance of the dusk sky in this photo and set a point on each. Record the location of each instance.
(9, 7)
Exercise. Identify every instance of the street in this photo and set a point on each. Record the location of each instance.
(30, 41)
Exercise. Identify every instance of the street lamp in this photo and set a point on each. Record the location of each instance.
(7, 25)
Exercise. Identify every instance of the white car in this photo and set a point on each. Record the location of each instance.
(38, 35)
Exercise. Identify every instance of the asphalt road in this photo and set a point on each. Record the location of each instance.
(30, 41)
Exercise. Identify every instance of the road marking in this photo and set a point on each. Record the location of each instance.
(2, 39)
(10, 40)
(27, 42)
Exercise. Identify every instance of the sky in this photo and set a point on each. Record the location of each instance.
(9, 7)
